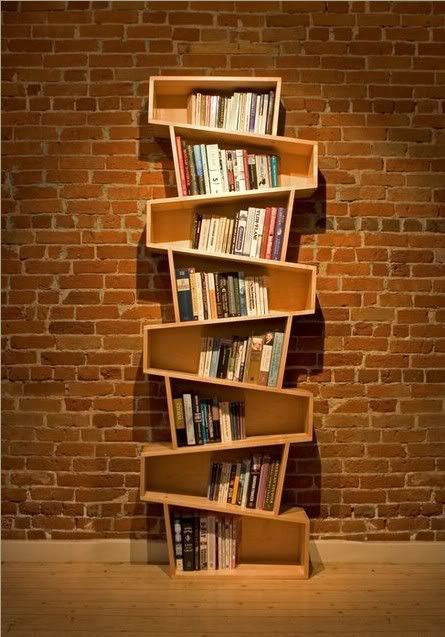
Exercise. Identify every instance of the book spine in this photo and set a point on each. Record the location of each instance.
(265, 235)
(215, 357)
(197, 420)
(203, 549)
(255, 232)
(253, 105)
(278, 235)
(188, 553)
(214, 168)
(196, 231)
(274, 171)
(188, 183)
(211, 546)
(273, 219)
(252, 172)
(260, 231)
(205, 295)
(255, 359)
(188, 416)
(177, 530)
(249, 231)
(266, 357)
(194, 190)
(275, 359)
(270, 497)
(270, 110)
(180, 429)
(241, 232)
(247, 184)
(230, 171)
(196, 540)
(184, 295)
(216, 420)
(181, 165)
(240, 170)
(254, 481)
(231, 294)
(205, 169)
(199, 169)
(265, 465)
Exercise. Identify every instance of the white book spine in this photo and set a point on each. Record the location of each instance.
(214, 168)
(211, 291)
(188, 416)
(241, 232)
(260, 231)
(225, 177)
(204, 234)
(265, 112)
(265, 298)
(231, 225)
(249, 231)
(255, 233)
(202, 356)
(259, 102)
(211, 557)
(258, 297)
(247, 111)
(198, 108)
(212, 234)
(208, 356)
(240, 167)
(196, 277)
(219, 234)
(207, 295)
(246, 484)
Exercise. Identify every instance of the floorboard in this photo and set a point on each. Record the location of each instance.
(88, 600)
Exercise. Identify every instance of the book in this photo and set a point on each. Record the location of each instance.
(177, 534)
(178, 410)
(188, 416)
(184, 295)
(188, 551)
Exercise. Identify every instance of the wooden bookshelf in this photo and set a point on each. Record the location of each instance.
(168, 95)
(298, 159)
(275, 548)
(274, 544)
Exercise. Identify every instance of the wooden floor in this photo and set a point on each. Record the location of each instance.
(91, 600)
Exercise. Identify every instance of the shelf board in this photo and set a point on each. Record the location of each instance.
(179, 248)
(229, 319)
(259, 193)
(215, 381)
(165, 448)
(295, 514)
(294, 391)
(265, 571)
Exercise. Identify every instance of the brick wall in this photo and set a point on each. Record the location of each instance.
(363, 78)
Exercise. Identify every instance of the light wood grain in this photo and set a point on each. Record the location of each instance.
(86, 600)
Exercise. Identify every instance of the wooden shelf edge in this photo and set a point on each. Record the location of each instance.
(249, 137)
(273, 263)
(166, 373)
(259, 193)
(265, 571)
(166, 448)
(229, 319)
(295, 515)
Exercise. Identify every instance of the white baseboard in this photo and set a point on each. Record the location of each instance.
(142, 551)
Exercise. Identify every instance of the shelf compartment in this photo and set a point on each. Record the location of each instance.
(168, 95)
(173, 347)
(269, 548)
(297, 158)
(179, 477)
(270, 417)
(290, 286)
(170, 221)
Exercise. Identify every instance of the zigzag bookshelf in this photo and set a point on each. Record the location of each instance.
(273, 541)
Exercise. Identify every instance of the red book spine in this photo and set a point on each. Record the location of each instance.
(265, 233)
(246, 170)
(273, 218)
(181, 165)
(186, 169)
(230, 173)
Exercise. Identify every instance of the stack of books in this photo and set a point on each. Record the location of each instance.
(201, 421)
(214, 295)
(242, 111)
(248, 359)
(255, 232)
(207, 169)
(205, 541)
(251, 483)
